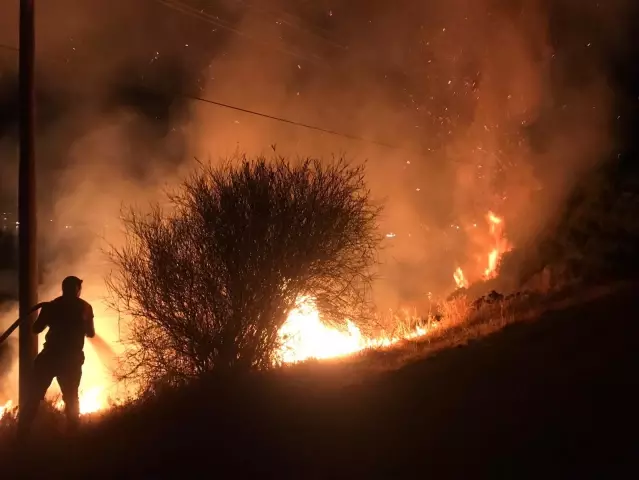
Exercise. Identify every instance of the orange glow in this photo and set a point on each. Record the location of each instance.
(5, 408)
(304, 336)
(96, 388)
(96, 384)
(498, 246)
(91, 401)
(460, 279)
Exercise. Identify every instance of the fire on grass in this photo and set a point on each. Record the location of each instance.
(91, 401)
(499, 246)
(304, 335)
(95, 391)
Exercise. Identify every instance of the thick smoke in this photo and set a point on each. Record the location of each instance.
(490, 106)
(480, 104)
(111, 131)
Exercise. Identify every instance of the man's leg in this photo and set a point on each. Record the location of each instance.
(69, 378)
(41, 378)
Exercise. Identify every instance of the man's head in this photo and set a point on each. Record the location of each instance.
(71, 286)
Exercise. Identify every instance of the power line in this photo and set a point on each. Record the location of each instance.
(208, 18)
(211, 19)
(293, 122)
(280, 15)
(316, 60)
(271, 117)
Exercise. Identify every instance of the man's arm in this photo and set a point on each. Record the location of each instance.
(89, 327)
(42, 321)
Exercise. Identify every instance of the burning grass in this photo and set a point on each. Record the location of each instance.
(236, 276)
(450, 324)
(305, 337)
(297, 418)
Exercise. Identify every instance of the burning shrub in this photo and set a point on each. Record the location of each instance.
(209, 284)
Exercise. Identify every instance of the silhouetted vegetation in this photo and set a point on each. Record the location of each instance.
(208, 284)
(344, 416)
(599, 231)
(592, 239)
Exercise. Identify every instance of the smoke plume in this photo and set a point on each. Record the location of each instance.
(460, 107)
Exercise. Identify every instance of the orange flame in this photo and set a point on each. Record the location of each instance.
(460, 279)
(96, 380)
(500, 245)
(305, 336)
(91, 401)
(5, 408)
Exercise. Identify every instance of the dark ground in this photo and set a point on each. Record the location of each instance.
(550, 397)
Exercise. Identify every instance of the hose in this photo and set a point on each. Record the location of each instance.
(16, 324)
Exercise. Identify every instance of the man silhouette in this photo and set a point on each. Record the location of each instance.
(69, 319)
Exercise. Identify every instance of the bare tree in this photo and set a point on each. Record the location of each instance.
(209, 284)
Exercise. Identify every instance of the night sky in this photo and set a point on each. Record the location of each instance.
(427, 79)
(317, 34)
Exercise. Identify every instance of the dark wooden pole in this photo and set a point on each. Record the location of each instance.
(27, 228)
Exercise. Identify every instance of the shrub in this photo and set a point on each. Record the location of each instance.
(208, 284)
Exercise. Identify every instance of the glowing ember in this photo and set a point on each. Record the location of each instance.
(304, 336)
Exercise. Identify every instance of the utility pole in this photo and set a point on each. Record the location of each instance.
(27, 228)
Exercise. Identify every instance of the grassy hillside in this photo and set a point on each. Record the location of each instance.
(548, 394)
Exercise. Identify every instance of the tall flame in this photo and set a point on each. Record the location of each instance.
(460, 279)
(499, 246)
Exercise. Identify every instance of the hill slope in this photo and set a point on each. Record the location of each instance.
(552, 395)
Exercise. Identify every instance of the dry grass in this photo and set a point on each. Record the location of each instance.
(449, 323)
(452, 324)
(49, 420)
